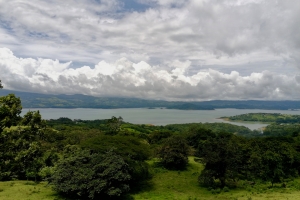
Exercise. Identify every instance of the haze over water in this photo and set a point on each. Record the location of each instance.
(157, 116)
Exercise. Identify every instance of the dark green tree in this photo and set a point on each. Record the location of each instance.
(1, 85)
(196, 134)
(20, 153)
(157, 137)
(34, 120)
(174, 153)
(10, 110)
(20, 147)
(85, 175)
(224, 157)
(272, 159)
(134, 151)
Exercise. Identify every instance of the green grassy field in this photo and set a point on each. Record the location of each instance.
(26, 190)
(165, 184)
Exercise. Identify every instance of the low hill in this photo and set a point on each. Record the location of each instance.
(36, 100)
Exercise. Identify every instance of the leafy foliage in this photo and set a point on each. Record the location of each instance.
(174, 153)
(158, 137)
(276, 130)
(133, 150)
(20, 140)
(214, 127)
(20, 153)
(10, 110)
(223, 157)
(126, 146)
(92, 176)
(196, 134)
(114, 125)
(272, 159)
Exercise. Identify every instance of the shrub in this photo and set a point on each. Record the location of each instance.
(225, 189)
(83, 175)
(132, 150)
(174, 153)
(206, 179)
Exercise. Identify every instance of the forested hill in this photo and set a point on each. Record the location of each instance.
(35, 100)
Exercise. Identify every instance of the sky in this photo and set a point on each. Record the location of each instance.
(177, 50)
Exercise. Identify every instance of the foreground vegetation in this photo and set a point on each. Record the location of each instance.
(165, 184)
(111, 159)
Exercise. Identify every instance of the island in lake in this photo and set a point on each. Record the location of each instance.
(265, 117)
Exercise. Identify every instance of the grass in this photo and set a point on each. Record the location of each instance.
(26, 190)
(165, 184)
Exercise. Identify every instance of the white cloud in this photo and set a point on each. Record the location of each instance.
(199, 31)
(129, 79)
(175, 49)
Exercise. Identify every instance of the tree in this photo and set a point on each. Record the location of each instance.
(1, 85)
(20, 153)
(133, 150)
(20, 147)
(272, 159)
(114, 125)
(223, 157)
(34, 120)
(196, 134)
(85, 175)
(157, 137)
(10, 110)
(174, 153)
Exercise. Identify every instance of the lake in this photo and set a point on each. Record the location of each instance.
(157, 116)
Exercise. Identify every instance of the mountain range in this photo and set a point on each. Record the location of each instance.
(36, 100)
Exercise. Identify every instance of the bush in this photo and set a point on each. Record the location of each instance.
(132, 150)
(225, 189)
(216, 191)
(174, 153)
(83, 175)
(206, 179)
(46, 172)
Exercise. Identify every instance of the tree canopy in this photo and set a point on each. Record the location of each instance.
(10, 110)
(174, 153)
(85, 175)
(223, 158)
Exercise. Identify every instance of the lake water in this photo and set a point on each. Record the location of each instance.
(156, 116)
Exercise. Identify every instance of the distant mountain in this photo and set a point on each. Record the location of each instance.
(35, 100)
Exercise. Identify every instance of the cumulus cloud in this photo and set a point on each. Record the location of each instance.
(198, 30)
(168, 49)
(128, 79)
